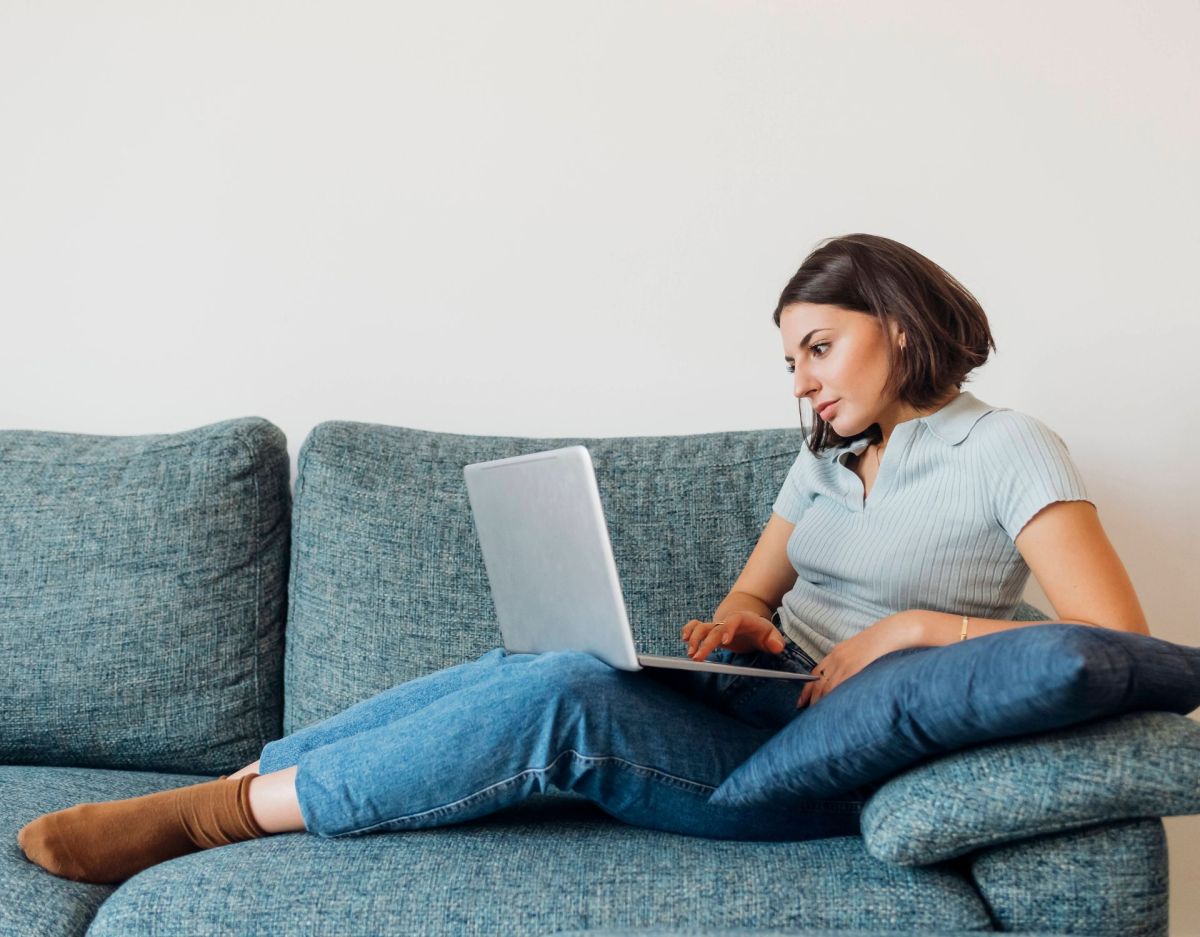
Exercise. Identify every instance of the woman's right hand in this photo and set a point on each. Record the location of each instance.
(740, 632)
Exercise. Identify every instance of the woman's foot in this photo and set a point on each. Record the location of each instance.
(108, 842)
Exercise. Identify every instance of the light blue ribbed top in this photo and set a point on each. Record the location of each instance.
(953, 490)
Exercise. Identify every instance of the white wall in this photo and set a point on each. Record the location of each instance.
(548, 217)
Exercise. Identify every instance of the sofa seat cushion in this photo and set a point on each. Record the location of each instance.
(1144, 764)
(143, 582)
(553, 862)
(751, 932)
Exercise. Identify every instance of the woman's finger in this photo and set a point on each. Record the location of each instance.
(818, 687)
(822, 687)
(710, 640)
(701, 647)
(700, 630)
(688, 632)
(814, 689)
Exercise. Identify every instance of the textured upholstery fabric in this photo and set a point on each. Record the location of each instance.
(748, 932)
(1101, 880)
(1144, 764)
(142, 595)
(915, 703)
(388, 582)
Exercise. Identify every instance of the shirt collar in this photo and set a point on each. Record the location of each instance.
(951, 424)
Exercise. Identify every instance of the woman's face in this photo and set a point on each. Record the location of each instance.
(838, 355)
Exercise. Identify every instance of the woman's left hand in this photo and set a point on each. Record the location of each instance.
(852, 655)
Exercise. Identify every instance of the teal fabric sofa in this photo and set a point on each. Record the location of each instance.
(168, 605)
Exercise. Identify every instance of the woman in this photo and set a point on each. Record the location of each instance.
(912, 516)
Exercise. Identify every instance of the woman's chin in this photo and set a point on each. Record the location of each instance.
(845, 428)
(839, 424)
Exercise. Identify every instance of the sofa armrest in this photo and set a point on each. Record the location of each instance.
(1137, 765)
(1111, 878)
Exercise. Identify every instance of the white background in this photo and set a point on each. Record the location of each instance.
(564, 218)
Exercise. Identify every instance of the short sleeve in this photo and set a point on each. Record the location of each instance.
(1029, 466)
(790, 502)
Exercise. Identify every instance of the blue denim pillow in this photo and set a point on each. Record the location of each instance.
(920, 702)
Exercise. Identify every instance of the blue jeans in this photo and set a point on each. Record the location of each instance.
(648, 747)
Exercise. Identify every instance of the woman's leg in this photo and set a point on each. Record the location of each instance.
(384, 707)
(645, 753)
(249, 769)
(273, 802)
(111, 840)
(761, 703)
(273, 794)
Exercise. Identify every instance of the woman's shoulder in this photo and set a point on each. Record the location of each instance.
(1027, 464)
(1013, 442)
(1004, 425)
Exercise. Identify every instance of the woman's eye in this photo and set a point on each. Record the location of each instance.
(791, 368)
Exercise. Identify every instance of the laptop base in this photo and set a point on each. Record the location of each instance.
(684, 663)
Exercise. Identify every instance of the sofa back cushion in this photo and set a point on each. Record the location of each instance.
(388, 582)
(142, 595)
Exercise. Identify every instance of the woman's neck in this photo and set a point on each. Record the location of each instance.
(904, 413)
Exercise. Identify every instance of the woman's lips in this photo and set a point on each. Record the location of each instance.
(826, 411)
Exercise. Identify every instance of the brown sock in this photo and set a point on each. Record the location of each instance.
(108, 842)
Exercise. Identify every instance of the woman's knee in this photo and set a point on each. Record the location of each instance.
(581, 677)
(573, 664)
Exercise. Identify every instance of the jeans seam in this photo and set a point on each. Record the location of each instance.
(481, 794)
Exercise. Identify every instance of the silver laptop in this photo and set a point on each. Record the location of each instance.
(550, 564)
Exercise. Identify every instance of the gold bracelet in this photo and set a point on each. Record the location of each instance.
(963, 636)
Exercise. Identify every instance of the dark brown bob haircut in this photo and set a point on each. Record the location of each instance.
(946, 330)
